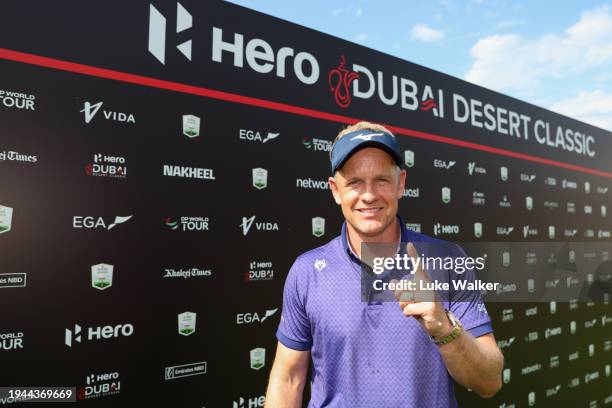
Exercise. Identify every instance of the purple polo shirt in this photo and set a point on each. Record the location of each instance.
(367, 354)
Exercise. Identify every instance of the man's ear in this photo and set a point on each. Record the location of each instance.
(402, 184)
(334, 189)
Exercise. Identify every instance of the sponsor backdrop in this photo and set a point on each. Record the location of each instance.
(162, 164)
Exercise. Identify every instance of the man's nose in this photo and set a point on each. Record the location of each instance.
(370, 193)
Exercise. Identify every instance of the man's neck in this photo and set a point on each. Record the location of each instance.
(391, 235)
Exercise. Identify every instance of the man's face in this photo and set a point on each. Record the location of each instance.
(367, 188)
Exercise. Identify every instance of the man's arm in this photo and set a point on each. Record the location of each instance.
(475, 363)
(287, 378)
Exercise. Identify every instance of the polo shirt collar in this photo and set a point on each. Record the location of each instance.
(404, 233)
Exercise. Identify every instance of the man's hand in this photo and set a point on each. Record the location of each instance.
(424, 304)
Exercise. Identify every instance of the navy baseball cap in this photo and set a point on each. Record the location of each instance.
(350, 143)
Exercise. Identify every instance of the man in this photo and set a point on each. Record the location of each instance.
(374, 354)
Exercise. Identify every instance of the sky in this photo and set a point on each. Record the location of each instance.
(554, 54)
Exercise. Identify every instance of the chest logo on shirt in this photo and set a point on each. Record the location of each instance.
(320, 264)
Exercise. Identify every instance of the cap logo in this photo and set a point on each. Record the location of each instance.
(368, 137)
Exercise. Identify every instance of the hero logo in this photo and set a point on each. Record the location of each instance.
(258, 271)
(97, 333)
(339, 80)
(93, 222)
(445, 229)
(443, 164)
(100, 385)
(90, 110)
(260, 57)
(157, 32)
(250, 403)
(247, 223)
(247, 318)
(107, 166)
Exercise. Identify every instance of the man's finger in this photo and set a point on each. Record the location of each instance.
(420, 273)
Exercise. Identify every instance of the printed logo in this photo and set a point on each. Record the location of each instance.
(506, 375)
(101, 276)
(529, 232)
(411, 192)
(366, 138)
(107, 166)
(339, 80)
(478, 229)
(157, 32)
(254, 136)
(90, 110)
(478, 198)
(191, 126)
(260, 178)
(12, 156)
(186, 323)
(503, 173)
(416, 227)
(474, 169)
(188, 223)
(446, 195)
(10, 99)
(254, 402)
(569, 184)
(311, 184)
(248, 222)
(528, 178)
(258, 358)
(6, 217)
(505, 203)
(409, 158)
(320, 264)
(504, 230)
(185, 370)
(248, 318)
(318, 226)
(11, 341)
(97, 333)
(188, 172)
(12, 280)
(442, 229)
(89, 222)
(259, 270)
(317, 145)
(100, 385)
(186, 273)
(443, 164)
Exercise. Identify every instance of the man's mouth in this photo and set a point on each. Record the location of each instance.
(372, 210)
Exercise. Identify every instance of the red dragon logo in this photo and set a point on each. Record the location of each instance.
(339, 80)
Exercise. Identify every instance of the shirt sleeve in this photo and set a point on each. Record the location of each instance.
(294, 329)
(468, 306)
